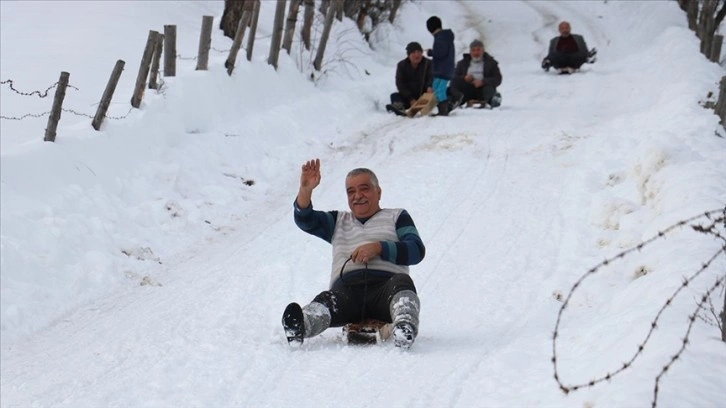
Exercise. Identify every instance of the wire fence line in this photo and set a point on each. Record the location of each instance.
(712, 223)
(41, 94)
(71, 111)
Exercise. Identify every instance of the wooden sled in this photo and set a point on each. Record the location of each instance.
(425, 104)
(368, 331)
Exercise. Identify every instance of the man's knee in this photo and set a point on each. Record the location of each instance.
(400, 282)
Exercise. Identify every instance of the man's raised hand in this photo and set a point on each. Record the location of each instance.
(309, 179)
(310, 175)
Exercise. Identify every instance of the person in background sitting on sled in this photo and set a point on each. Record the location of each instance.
(372, 249)
(568, 52)
(413, 78)
(443, 54)
(477, 77)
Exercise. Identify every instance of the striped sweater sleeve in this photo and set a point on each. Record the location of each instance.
(318, 223)
(409, 249)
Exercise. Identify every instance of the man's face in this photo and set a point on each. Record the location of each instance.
(415, 57)
(476, 52)
(363, 197)
(564, 29)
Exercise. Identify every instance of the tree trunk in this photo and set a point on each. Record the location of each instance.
(233, 10)
(308, 22)
(318, 63)
(338, 4)
(290, 25)
(394, 10)
(277, 33)
(324, 5)
(692, 15)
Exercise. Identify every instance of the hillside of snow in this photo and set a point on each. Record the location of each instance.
(148, 264)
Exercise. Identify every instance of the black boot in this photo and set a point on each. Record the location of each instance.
(443, 108)
(293, 322)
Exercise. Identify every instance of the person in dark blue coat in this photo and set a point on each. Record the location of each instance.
(443, 55)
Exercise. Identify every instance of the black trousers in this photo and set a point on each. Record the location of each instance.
(397, 97)
(356, 302)
(471, 92)
(563, 60)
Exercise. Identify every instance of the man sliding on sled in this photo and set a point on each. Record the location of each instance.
(413, 78)
(372, 248)
(568, 52)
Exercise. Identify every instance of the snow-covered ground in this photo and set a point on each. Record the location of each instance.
(147, 265)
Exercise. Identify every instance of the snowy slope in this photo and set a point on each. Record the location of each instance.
(514, 205)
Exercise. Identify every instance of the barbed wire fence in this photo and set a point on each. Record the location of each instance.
(44, 94)
(711, 223)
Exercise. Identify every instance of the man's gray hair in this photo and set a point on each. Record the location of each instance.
(363, 170)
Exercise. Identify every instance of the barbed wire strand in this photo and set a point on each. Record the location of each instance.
(43, 94)
(684, 343)
(710, 229)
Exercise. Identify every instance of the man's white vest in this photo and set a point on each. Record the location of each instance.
(349, 234)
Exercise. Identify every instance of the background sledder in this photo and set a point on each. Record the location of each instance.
(477, 77)
(568, 51)
(372, 249)
(413, 80)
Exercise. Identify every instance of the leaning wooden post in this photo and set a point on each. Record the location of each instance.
(277, 33)
(308, 22)
(238, 37)
(144, 70)
(169, 50)
(158, 46)
(107, 95)
(290, 25)
(55, 112)
(318, 63)
(253, 29)
(205, 43)
(716, 44)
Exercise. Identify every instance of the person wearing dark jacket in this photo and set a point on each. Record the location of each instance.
(567, 52)
(443, 55)
(413, 78)
(477, 76)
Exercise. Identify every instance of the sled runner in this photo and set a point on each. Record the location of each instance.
(425, 104)
(368, 331)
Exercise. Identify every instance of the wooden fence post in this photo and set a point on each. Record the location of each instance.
(253, 29)
(144, 70)
(277, 33)
(290, 25)
(308, 22)
(394, 9)
(158, 46)
(716, 44)
(55, 112)
(238, 36)
(169, 50)
(317, 64)
(108, 94)
(720, 108)
(205, 43)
